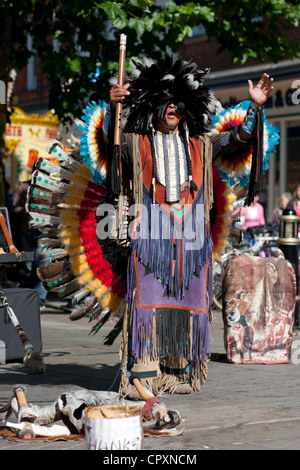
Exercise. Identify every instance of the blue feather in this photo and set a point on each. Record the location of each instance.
(87, 118)
(271, 131)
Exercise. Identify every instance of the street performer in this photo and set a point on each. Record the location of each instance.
(170, 182)
(168, 153)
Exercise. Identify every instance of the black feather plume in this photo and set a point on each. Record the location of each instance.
(180, 81)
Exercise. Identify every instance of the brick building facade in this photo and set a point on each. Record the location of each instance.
(230, 85)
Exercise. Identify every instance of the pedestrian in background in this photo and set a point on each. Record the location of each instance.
(295, 202)
(285, 198)
(251, 216)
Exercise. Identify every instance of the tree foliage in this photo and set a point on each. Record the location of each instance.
(86, 33)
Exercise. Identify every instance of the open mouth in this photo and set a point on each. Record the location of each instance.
(171, 114)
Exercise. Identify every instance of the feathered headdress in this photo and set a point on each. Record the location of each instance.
(179, 81)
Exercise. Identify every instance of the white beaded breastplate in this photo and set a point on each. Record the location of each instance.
(170, 163)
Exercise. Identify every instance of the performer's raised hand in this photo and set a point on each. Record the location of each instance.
(118, 93)
(261, 91)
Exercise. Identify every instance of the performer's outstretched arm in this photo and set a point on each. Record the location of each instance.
(239, 137)
(258, 96)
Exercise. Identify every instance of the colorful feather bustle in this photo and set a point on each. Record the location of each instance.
(230, 171)
(79, 229)
(237, 169)
(223, 201)
(62, 202)
(93, 117)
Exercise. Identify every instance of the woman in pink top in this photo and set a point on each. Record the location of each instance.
(253, 215)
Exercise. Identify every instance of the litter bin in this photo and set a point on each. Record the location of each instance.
(109, 427)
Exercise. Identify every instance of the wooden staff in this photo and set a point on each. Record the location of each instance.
(118, 121)
(116, 157)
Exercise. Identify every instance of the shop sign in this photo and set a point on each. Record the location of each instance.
(281, 101)
(290, 97)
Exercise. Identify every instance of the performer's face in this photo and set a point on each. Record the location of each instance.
(170, 120)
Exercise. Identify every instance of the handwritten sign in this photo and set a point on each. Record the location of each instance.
(114, 433)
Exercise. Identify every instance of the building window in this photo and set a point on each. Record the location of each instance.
(199, 31)
(31, 67)
(51, 133)
(2, 92)
(14, 131)
(293, 157)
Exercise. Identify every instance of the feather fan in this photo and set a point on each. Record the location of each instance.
(62, 202)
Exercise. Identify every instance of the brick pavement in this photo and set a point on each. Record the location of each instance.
(241, 407)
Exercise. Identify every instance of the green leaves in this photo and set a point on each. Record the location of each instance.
(112, 9)
(75, 64)
(146, 16)
(87, 32)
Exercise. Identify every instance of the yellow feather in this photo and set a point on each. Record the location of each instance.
(107, 300)
(68, 212)
(96, 287)
(227, 220)
(72, 200)
(82, 268)
(75, 247)
(86, 278)
(115, 302)
(78, 262)
(77, 193)
(75, 250)
(69, 232)
(231, 197)
(82, 176)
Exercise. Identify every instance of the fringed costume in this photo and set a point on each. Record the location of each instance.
(153, 269)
